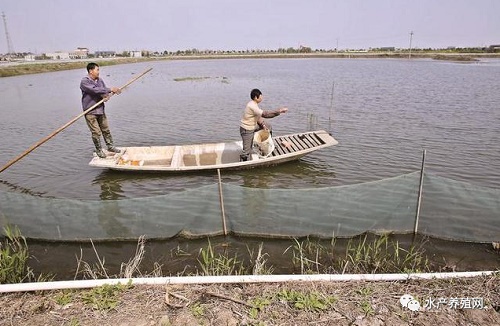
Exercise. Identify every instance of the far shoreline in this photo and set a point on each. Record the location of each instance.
(11, 69)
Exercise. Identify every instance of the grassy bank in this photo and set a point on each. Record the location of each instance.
(283, 303)
(259, 304)
(25, 68)
(364, 254)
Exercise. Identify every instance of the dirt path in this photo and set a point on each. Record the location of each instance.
(466, 301)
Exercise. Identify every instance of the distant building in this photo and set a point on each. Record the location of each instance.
(29, 57)
(80, 53)
(136, 54)
(304, 49)
(104, 54)
(388, 48)
(494, 48)
(59, 55)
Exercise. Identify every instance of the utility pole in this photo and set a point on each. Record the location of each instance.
(10, 47)
(411, 36)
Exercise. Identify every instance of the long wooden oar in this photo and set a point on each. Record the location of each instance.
(32, 148)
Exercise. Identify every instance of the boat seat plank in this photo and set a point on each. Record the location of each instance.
(278, 150)
(289, 149)
(292, 145)
(298, 142)
(176, 157)
(306, 141)
(321, 141)
(279, 147)
(312, 140)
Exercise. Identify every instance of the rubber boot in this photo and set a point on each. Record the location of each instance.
(98, 147)
(109, 143)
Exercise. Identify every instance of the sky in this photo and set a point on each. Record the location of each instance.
(41, 26)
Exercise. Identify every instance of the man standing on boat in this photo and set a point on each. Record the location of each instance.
(253, 121)
(94, 90)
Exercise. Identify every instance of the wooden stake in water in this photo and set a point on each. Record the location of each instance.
(419, 200)
(331, 102)
(221, 199)
(331, 110)
(32, 148)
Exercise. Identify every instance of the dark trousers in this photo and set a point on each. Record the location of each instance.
(98, 125)
(247, 139)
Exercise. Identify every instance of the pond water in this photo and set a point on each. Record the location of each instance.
(383, 112)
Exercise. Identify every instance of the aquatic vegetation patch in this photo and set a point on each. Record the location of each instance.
(224, 80)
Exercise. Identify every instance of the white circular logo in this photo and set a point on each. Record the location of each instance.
(409, 302)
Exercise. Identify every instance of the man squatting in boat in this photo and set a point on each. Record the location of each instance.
(253, 121)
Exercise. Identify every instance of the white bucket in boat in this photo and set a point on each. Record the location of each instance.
(264, 142)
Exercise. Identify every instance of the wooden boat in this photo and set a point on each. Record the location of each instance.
(213, 156)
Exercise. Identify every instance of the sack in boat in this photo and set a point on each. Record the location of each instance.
(264, 142)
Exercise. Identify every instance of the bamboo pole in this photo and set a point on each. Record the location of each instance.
(221, 198)
(39, 143)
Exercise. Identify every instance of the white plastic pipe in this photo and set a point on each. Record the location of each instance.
(82, 284)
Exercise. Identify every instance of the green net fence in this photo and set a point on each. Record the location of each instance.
(459, 210)
(449, 210)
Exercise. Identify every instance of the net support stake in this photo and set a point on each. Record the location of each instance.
(331, 109)
(221, 199)
(419, 200)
